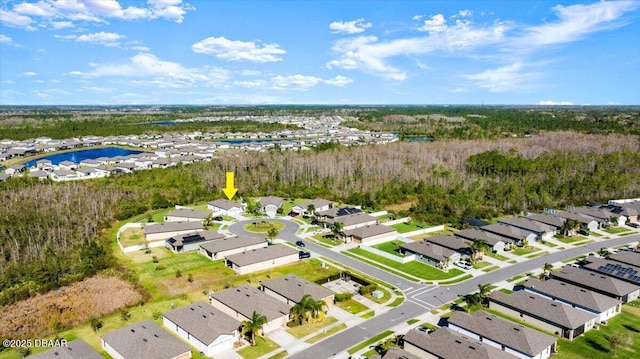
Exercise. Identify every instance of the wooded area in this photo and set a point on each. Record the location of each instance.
(55, 231)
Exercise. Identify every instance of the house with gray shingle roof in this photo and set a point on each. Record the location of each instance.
(599, 283)
(543, 313)
(431, 254)
(191, 241)
(270, 205)
(144, 340)
(240, 303)
(496, 242)
(162, 231)
(225, 207)
(543, 231)
(203, 326)
(396, 353)
(449, 344)
(262, 258)
(370, 234)
(626, 257)
(352, 221)
(457, 244)
(291, 288)
(513, 235)
(75, 349)
(220, 248)
(319, 205)
(601, 305)
(503, 334)
(622, 271)
(186, 215)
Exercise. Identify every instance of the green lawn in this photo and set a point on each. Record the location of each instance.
(263, 226)
(524, 251)
(328, 241)
(481, 265)
(263, 346)
(516, 278)
(327, 333)
(369, 314)
(352, 306)
(489, 269)
(288, 204)
(549, 244)
(414, 268)
(615, 230)
(391, 247)
(595, 234)
(369, 341)
(537, 254)
(412, 321)
(408, 227)
(306, 329)
(385, 296)
(497, 256)
(396, 302)
(505, 291)
(159, 216)
(457, 280)
(593, 344)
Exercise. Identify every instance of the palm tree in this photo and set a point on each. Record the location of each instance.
(337, 228)
(483, 294)
(570, 226)
(298, 313)
(477, 247)
(308, 308)
(96, 324)
(472, 299)
(603, 252)
(311, 210)
(316, 307)
(254, 326)
(546, 269)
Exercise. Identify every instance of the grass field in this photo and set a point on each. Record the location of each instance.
(391, 247)
(263, 226)
(481, 265)
(570, 240)
(615, 230)
(414, 268)
(132, 237)
(497, 256)
(408, 227)
(263, 346)
(352, 306)
(306, 329)
(525, 251)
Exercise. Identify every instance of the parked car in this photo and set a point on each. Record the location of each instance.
(463, 265)
(303, 255)
(218, 218)
(634, 225)
(300, 244)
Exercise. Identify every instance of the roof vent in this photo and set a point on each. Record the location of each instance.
(156, 335)
(204, 316)
(516, 329)
(472, 348)
(459, 342)
(133, 331)
(553, 305)
(144, 340)
(192, 309)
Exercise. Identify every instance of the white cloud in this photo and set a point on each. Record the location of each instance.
(339, 81)
(577, 21)
(140, 48)
(233, 50)
(349, 27)
(24, 14)
(555, 103)
(251, 84)
(29, 73)
(5, 39)
(295, 82)
(418, 17)
(98, 89)
(436, 23)
(98, 38)
(148, 70)
(52, 93)
(512, 77)
(250, 73)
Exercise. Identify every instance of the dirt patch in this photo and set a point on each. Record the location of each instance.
(67, 307)
(404, 206)
(132, 236)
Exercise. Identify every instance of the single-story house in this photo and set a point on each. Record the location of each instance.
(601, 215)
(75, 349)
(586, 222)
(457, 244)
(291, 288)
(503, 334)
(449, 344)
(630, 258)
(62, 175)
(549, 219)
(431, 254)
(319, 205)
(352, 221)
(221, 248)
(15, 169)
(336, 212)
(625, 272)
(144, 340)
(68, 165)
(191, 241)
(205, 327)
(496, 243)
(370, 234)
(543, 231)
(270, 205)
(262, 258)
(39, 174)
(226, 207)
(599, 283)
(240, 303)
(514, 235)
(186, 215)
(544, 313)
(162, 231)
(4, 177)
(396, 353)
(628, 208)
(599, 304)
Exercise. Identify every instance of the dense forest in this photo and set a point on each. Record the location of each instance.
(54, 233)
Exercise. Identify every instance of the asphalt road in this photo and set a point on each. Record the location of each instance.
(420, 298)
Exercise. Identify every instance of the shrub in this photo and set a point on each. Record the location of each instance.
(156, 314)
(343, 297)
(178, 273)
(155, 259)
(161, 267)
(368, 288)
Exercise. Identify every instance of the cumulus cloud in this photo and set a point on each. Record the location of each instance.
(234, 50)
(146, 69)
(555, 103)
(97, 89)
(29, 73)
(98, 38)
(24, 14)
(505, 78)
(5, 39)
(349, 27)
(339, 81)
(295, 82)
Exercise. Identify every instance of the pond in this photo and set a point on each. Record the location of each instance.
(80, 155)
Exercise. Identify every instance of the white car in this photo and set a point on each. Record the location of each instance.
(463, 265)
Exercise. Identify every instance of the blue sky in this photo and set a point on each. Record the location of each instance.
(107, 52)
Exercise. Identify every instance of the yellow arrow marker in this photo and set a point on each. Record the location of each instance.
(229, 189)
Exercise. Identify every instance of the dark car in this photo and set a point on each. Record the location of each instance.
(218, 218)
(300, 243)
(303, 255)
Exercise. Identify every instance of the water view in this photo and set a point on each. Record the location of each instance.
(80, 155)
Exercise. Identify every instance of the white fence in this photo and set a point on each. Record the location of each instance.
(398, 259)
(397, 221)
(137, 247)
(378, 214)
(424, 230)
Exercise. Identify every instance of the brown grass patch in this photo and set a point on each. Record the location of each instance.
(68, 307)
(404, 206)
(132, 236)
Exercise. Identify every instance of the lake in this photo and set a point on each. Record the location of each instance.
(90, 154)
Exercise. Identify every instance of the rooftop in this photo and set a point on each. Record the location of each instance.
(246, 299)
(228, 243)
(430, 250)
(573, 294)
(261, 254)
(369, 231)
(172, 227)
(188, 213)
(594, 280)
(446, 343)
(75, 349)
(203, 321)
(294, 288)
(145, 340)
